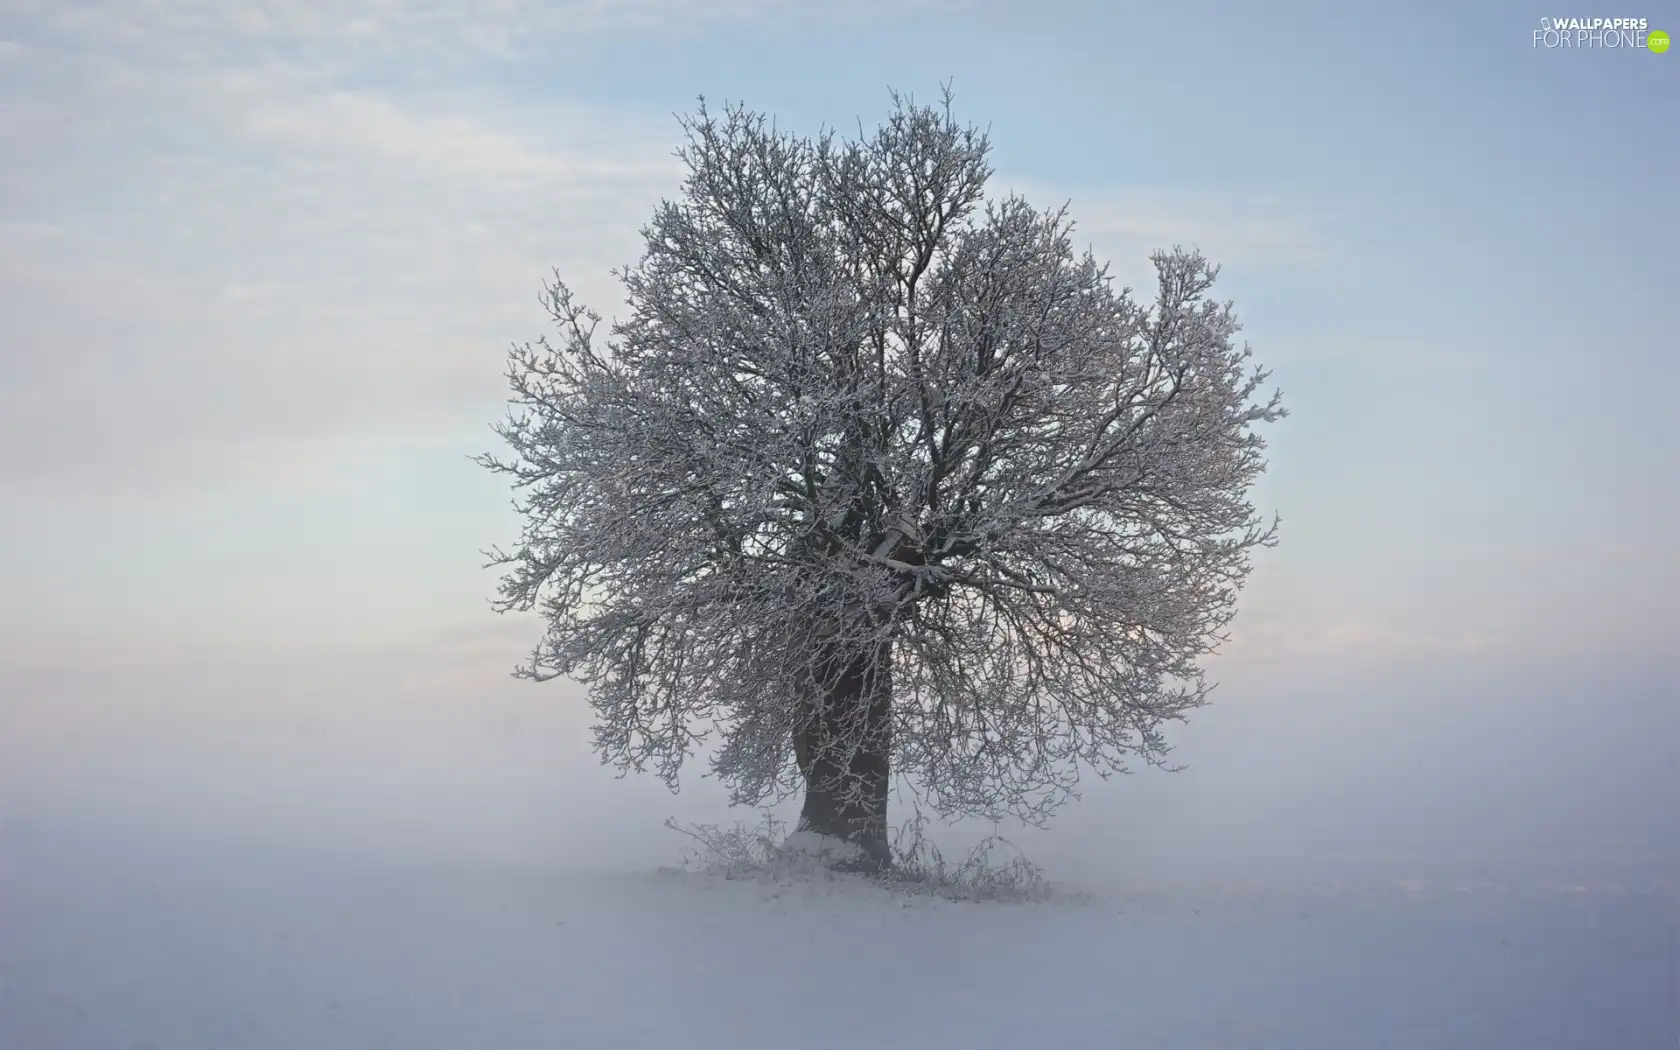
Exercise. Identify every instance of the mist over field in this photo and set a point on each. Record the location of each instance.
(1461, 770)
(408, 852)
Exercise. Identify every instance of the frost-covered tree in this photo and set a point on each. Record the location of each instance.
(879, 477)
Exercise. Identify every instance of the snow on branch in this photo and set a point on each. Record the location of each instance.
(857, 405)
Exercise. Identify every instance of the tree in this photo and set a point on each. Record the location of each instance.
(878, 477)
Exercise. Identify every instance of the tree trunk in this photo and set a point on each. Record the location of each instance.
(843, 754)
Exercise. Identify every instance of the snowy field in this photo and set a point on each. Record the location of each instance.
(281, 865)
(223, 949)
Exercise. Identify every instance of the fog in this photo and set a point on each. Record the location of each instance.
(410, 849)
(1456, 768)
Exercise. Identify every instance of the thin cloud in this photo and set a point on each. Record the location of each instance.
(334, 34)
(226, 245)
(280, 261)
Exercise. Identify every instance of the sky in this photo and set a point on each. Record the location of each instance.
(260, 265)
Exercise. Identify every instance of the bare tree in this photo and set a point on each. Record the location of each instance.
(881, 477)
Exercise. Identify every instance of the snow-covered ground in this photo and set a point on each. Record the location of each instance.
(207, 947)
(249, 861)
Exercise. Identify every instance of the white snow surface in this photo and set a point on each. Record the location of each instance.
(330, 859)
(215, 947)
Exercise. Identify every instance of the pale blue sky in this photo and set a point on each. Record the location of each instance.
(259, 265)
(258, 279)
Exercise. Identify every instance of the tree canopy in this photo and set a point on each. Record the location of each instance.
(880, 476)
